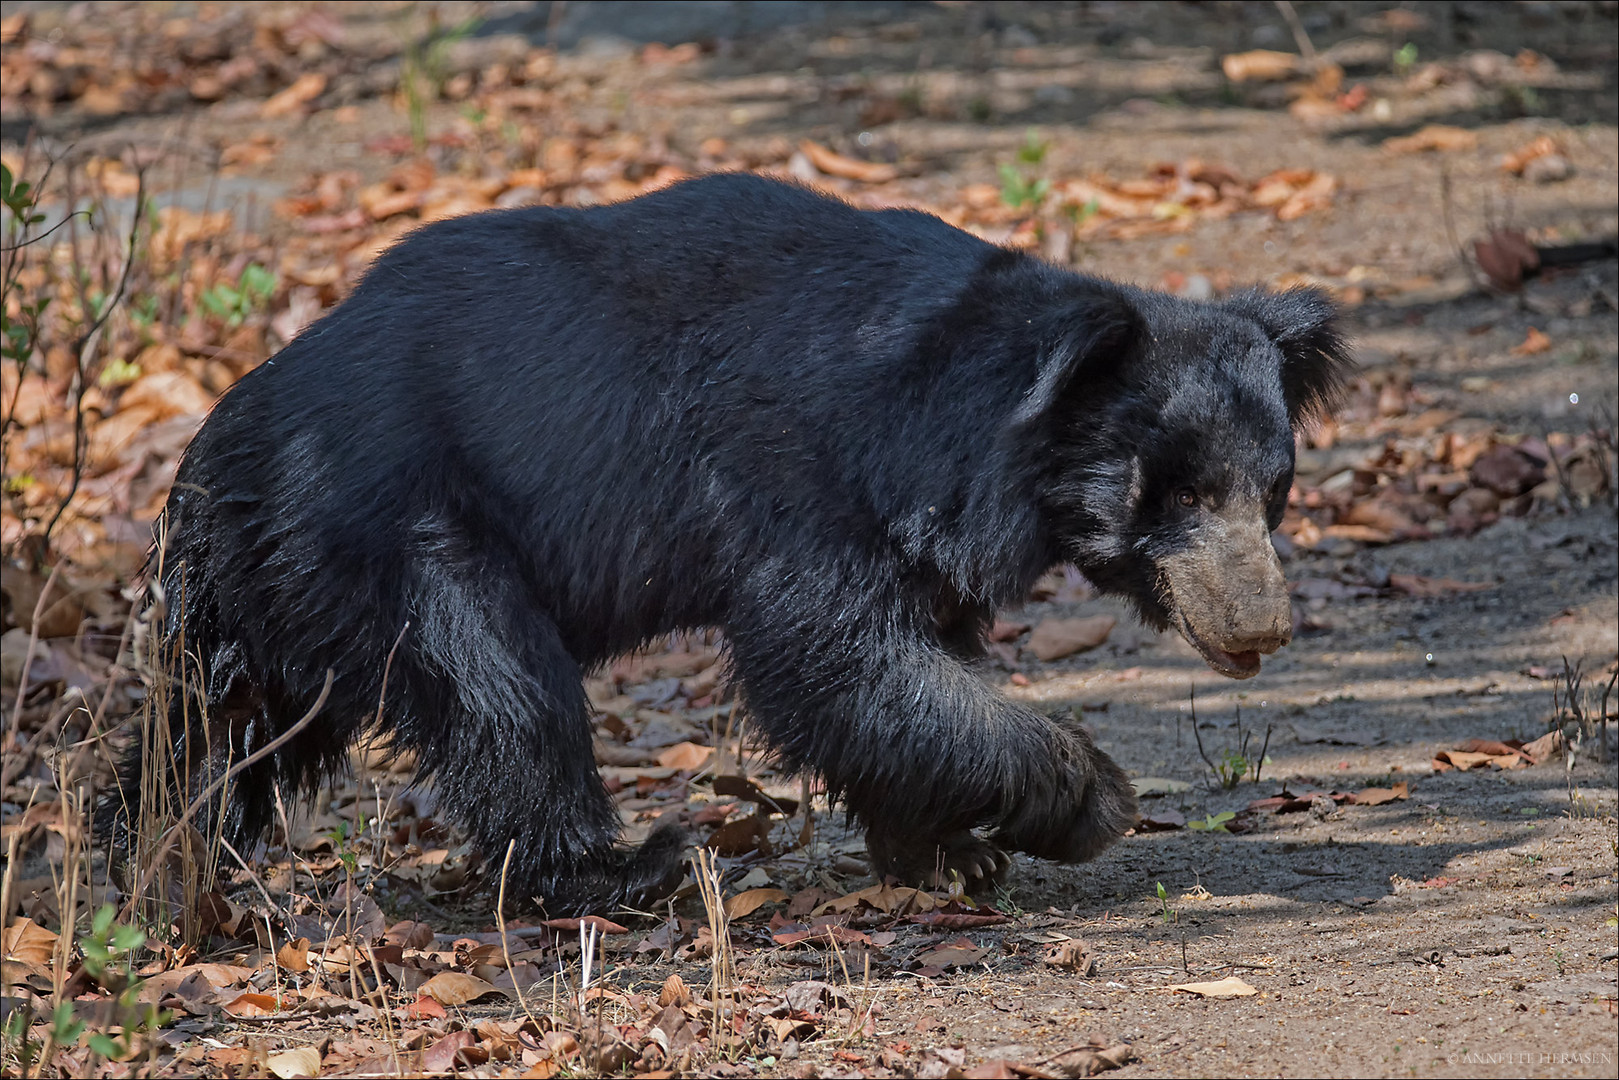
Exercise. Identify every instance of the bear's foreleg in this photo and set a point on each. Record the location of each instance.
(848, 679)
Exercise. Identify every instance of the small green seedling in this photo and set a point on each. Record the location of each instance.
(1214, 822)
(1169, 914)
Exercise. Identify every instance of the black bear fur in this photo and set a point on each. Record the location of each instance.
(542, 437)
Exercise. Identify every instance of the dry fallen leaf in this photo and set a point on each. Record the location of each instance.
(828, 934)
(1534, 342)
(1477, 753)
(1441, 137)
(294, 956)
(304, 89)
(1457, 759)
(456, 988)
(1507, 257)
(888, 899)
(1506, 470)
(1544, 747)
(1377, 796)
(29, 943)
(1260, 65)
(835, 164)
(304, 1061)
(443, 1055)
(685, 756)
(674, 992)
(1417, 585)
(1054, 639)
(572, 925)
(744, 904)
(958, 952)
(1073, 954)
(1314, 195)
(1228, 987)
(1163, 820)
(1536, 148)
(251, 1004)
(1089, 1060)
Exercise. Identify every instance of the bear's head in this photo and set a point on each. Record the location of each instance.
(1173, 427)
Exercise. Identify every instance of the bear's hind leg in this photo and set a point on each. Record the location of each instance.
(495, 708)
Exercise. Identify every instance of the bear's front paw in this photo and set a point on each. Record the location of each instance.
(933, 863)
(1090, 805)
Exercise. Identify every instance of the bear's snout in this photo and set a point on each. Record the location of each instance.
(1228, 593)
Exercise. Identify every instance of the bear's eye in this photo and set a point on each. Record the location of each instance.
(1186, 497)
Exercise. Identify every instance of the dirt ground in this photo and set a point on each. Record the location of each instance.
(1467, 927)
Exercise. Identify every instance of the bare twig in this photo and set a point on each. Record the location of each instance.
(1300, 38)
(36, 239)
(1265, 746)
(1191, 694)
(500, 923)
(388, 667)
(268, 900)
(14, 730)
(168, 838)
(87, 345)
(1446, 200)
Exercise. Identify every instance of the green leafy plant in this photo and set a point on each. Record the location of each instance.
(109, 954)
(1231, 768)
(345, 839)
(1033, 150)
(144, 312)
(1021, 187)
(233, 304)
(1081, 213)
(1235, 763)
(1019, 190)
(19, 329)
(425, 69)
(16, 1048)
(109, 948)
(1405, 57)
(1005, 901)
(19, 197)
(119, 372)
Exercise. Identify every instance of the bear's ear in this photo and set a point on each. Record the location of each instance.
(1087, 342)
(1316, 364)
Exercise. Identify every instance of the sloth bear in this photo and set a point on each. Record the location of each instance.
(534, 439)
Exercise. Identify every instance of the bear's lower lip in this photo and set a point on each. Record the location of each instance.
(1236, 665)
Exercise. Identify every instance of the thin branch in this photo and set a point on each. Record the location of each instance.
(1300, 38)
(13, 731)
(87, 344)
(1260, 764)
(169, 835)
(500, 920)
(44, 235)
(1191, 693)
(1473, 272)
(386, 668)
